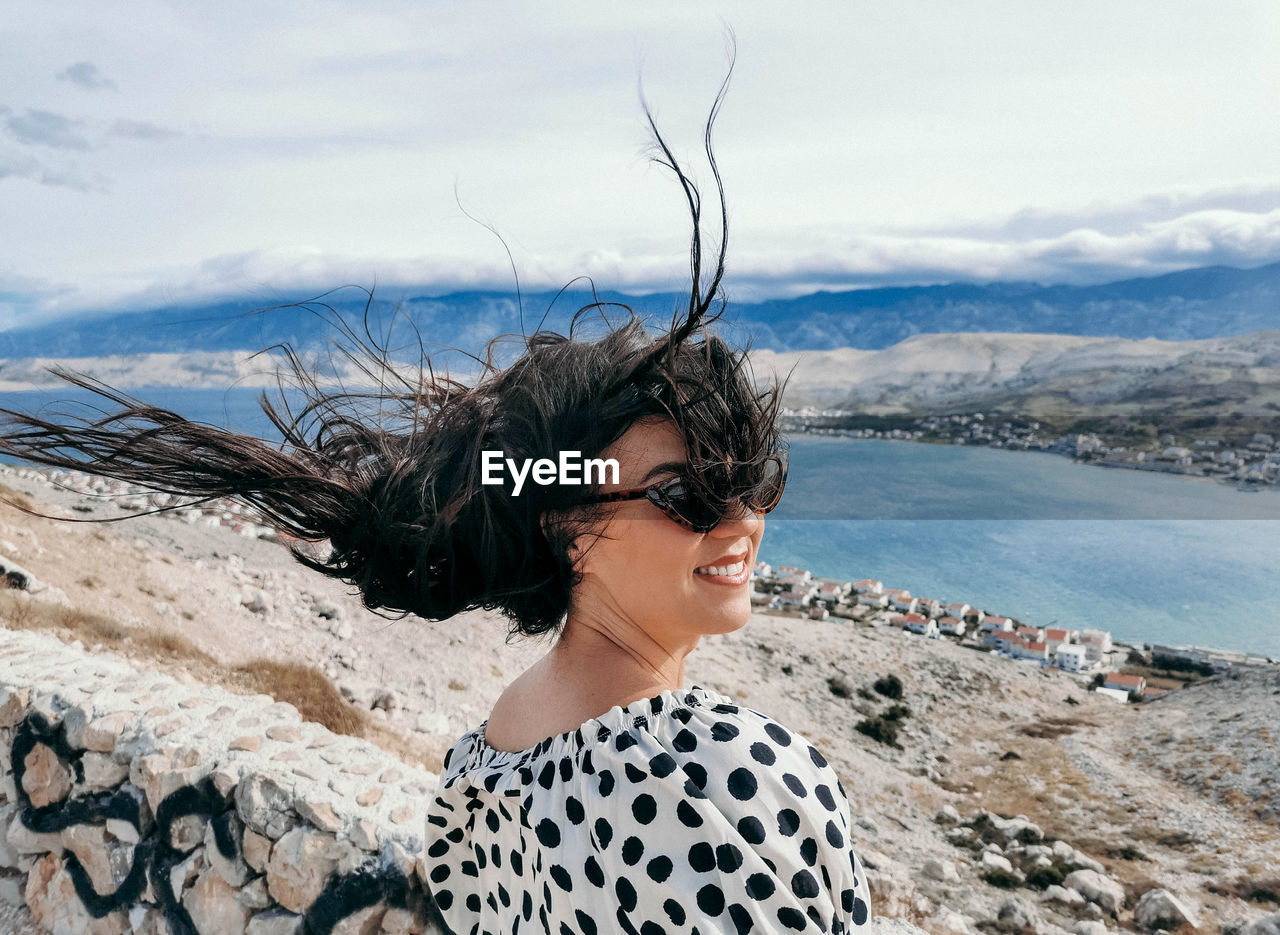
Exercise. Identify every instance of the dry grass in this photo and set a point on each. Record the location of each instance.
(304, 687)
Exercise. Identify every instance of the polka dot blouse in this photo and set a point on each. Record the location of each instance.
(683, 813)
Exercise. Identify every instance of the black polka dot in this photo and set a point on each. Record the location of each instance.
(702, 857)
(674, 911)
(574, 811)
(804, 885)
(632, 850)
(742, 784)
(685, 741)
(682, 715)
(662, 765)
(469, 868)
(778, 734)
(711, 900)
(635, 773)
(723, 731)
(793, 783)
(741, 917)
(517, 862)
(725, 708)
(437, 848)
(604, 832)
(623, 741)
(593, 872)
(645, 808)
(809, 851)
(562, 878)
(688, 815)
(585, 922)
(791, 918)
(440, 873)
(491, 819)
(473, 902)
(495, 854)
(751, 829)
(606, 783)
(659, 868)
(859, 912)
(626, 894)
(548, 833)
(788, 822)
(763, 753)
(818, 759)
(566, 769)
(834, 837)
(728, 858)
(652, 928)
(760, 886)
(444, 899)
(505, 897)
(823, 794)
(547, 775)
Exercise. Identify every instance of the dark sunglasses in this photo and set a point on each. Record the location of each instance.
(683, 504)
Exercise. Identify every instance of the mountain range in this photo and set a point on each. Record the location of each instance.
(1207, 302)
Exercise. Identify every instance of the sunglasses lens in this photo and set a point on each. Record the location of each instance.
(677, 497)
(771, 486)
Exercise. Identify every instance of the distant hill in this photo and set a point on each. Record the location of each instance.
(1209, 302)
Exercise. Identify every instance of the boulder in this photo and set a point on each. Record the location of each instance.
(993, 861)
(1100, 890)
(265, 805)
(302, 862)
(1016, 914)
(213, 906)
(944, 871)
(1160, 909)
(1088, 927)
(947, 816)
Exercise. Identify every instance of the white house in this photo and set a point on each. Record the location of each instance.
(1071, 657)
(818, 613)
(953, 625)
(923, 626)
(1097, 642)
(787, 571)
(957, 609)
(866, 584)
(989, 623)
(907, 605)
(1002, 640)
(1114, 694)
(1029, 649)
(790, 600)
(1056, 637)
(1030, 634)
(868, 599)
(763, 570)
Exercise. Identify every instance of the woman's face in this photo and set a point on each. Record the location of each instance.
(650, 571)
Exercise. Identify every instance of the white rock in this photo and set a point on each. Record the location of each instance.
(993, 861)
(1160, 909)
(1101, 890)
(1060, 894)
(942, 870)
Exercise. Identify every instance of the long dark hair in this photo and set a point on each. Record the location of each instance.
(400, 500)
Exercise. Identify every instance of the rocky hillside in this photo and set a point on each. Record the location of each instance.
(988, 795)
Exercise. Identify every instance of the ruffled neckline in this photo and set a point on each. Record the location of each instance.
(472, 758)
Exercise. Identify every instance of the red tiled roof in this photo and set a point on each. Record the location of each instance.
(1134, 680)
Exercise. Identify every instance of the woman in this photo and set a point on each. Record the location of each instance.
(600, 794)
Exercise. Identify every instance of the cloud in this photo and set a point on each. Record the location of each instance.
(24, 166)
(86, 75)
(142, 130)
(43, 128)
(1082, 256)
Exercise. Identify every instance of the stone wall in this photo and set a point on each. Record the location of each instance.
(131, 802)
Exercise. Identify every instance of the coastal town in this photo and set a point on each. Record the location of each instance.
(1251, 462)
(1113, 669)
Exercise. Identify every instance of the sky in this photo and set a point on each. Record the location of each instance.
(167, 153)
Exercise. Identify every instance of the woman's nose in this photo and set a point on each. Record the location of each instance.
(742, 523)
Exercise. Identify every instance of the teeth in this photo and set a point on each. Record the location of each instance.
(728, 570)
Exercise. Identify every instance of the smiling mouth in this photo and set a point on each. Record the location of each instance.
(726, 571)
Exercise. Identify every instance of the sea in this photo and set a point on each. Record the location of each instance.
(1153, 558)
